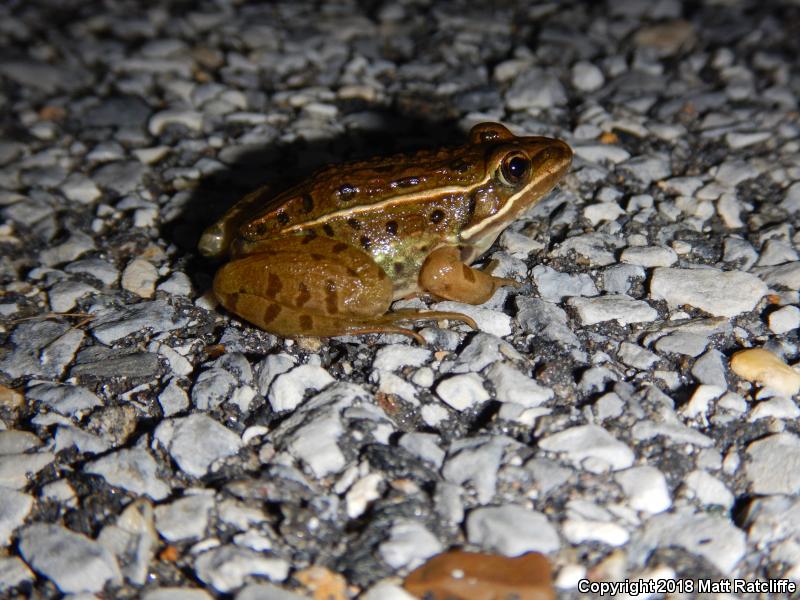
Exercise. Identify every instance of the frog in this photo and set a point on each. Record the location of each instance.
(328, 256)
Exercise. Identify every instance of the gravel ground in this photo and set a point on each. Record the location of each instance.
(149, 441)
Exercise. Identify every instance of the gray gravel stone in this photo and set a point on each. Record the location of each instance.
(64, 399)
(709, 369)
(65, 294)
(613, 307)
(121, 177)
(409, 545)
(635, 356)
(156, 316)
(139, 278)
(535, 88)
(176, 593)
(288, 389)
(13, 511)
(173, 399)
(226, 568)
(13, 572)
(773, 465)
(553, 286)
(13, 441)
(512, 386)
(646, 489)
(212, 388)
(68, 436)
(15, 468)
(493, 322)
(179, 436)
(396, 356)
(682, 342)
(265, 591)
(784, 320)
(618, 279)
(545, 319)
(476, 462)
(97, 268)
(591, 446)
(76, 245)
(424, 445)
(714, 538)
(185, 518)
(708, 490)
(72, 561)
(586, 76)
(462, 391)
(133, 470)
(722, 294)
(511, 530)
(315, 444)
(649, 256)
(782, 276)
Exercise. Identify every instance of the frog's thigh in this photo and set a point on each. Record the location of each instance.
(445, 275)
(305, 286)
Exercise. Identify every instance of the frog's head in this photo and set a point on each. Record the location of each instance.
(521, 171)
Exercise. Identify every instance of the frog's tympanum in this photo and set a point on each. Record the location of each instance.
(329, 256)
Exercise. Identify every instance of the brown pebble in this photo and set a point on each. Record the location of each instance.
(322, 583)
(765, 368)
(459, 575)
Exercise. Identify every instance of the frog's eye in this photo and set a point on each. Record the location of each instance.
(515, 168)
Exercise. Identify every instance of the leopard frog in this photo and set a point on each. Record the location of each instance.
(327, 257)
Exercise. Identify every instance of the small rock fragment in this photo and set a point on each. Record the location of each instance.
(766, 369)
(140, 277)
(720, 293)
(72, 561)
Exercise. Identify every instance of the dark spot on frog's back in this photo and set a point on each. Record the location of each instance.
(437, 216)
(460, 166)
(365, 242)
(328, 230)
(405, 182)
(391, 227)
(354, 223)
(283, 218)
(308, 203)
(347, 192)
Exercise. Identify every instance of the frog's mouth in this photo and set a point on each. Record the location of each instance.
(549, 163)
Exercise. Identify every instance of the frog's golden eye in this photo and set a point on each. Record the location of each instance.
(515, 168)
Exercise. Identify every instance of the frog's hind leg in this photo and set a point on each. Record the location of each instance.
(386, 323)
(305, 285)
(316, 286)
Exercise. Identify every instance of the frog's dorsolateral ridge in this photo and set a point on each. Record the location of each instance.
(329, 256)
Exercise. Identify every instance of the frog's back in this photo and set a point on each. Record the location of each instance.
(354, 192)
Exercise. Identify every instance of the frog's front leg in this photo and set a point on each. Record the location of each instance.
(445, 275)
(313, 285)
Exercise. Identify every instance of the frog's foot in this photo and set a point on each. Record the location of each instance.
(386, 323)
(444, 275)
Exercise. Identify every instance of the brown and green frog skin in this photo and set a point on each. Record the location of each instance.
(329, 256)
